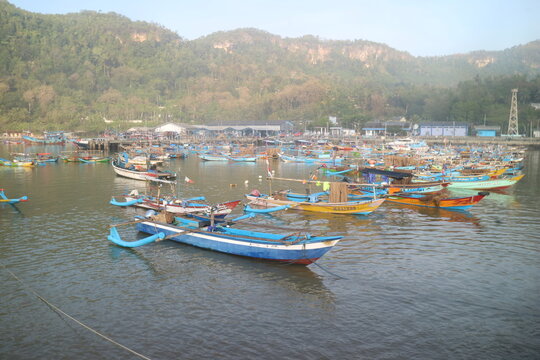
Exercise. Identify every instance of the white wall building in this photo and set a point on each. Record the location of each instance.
(172, 128)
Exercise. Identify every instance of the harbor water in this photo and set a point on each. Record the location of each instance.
(404, 283)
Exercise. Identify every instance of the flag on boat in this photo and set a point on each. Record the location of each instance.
(268, 171)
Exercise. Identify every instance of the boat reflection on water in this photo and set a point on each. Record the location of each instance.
(461, 216)
(500, 197)
(11, 207)
(175, 261)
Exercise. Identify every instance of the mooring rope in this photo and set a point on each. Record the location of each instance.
(323, 268)
(58, 310)
(328, 271)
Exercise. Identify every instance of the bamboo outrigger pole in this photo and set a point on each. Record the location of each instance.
(321, 181)
(359, 184)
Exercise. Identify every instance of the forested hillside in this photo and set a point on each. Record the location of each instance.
(73, 71)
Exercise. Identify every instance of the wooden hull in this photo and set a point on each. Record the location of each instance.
(243, 159)
(249, 244)
(213, 158)
(17, 163)
(33, 140)
(54, 159)
(141, 175)
(363, 207)
(97, 160)
(182, 209)
(307, 160)
(82, 144)
(463, 203)
(492, 184)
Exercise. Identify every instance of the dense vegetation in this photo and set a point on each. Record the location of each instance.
(73, 71)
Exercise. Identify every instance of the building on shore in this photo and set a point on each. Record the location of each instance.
(443, 128)
(395, 126)
(254, 129)
(486, 130)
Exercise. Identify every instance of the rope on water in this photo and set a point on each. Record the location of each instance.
(58, 310)
(323, 268)
(328, 271)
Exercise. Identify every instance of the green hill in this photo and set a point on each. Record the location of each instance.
(73, 71)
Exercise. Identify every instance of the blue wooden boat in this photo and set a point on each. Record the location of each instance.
(5, 199)
(297, 248)
(42, 160)
(52, 138)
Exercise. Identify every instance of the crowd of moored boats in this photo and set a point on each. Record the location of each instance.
(342, 180)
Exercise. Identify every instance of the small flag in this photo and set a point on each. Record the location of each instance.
(268, 171)
(188, 180)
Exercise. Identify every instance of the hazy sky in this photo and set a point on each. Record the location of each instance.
(421, 27)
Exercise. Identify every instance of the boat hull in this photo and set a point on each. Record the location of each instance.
(493, 184)
(213, 158)
(300, 253)
(141, 175)
(463, 203)
(33, 140)
(182, 209)
(364, 207)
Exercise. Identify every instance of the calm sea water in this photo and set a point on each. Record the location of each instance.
(403, 283)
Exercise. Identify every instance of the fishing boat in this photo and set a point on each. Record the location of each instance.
(243, 158)
(310, 160)
(437, 200)
(397, 181)
(4, 199)
(297, 247)
(354, 207)
(208, 157)
(338, 170)
(131, 173)
(50, 138)
(46, 158)
(17, 162)
(176, 206)
(489, 184)
(94, 159)
(81, 144)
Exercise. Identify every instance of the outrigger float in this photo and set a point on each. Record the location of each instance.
(4, 199)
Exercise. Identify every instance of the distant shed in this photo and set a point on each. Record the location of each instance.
(487, 131)
(443, 129)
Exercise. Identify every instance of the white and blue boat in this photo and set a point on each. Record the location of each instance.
(310, 160)
(210, 157)
(297, 248)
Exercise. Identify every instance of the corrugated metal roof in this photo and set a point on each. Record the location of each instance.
(240, 128)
